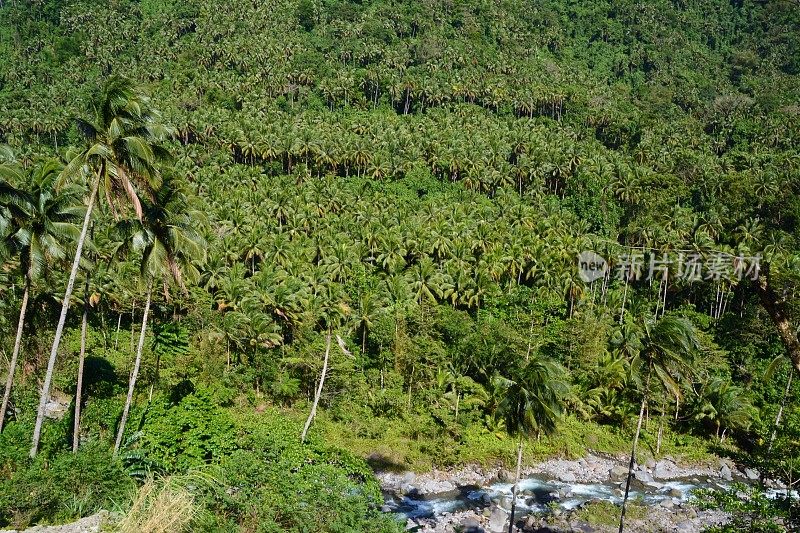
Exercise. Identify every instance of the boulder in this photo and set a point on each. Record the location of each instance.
(725, 472)
(566, 477)
(505, 476)
(618, 472)
(497, 520)
(643, 476)
(471, 525)
(55, 409)
(685, 527)
(752, 474)
(664, 469)
(676, 493)
(650, 464)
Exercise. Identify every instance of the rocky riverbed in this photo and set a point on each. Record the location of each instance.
(552, 494)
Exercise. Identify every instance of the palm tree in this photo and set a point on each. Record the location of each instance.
(121, 155)
(44, 223)
(530, 405)
(170, 244)
(661, 349)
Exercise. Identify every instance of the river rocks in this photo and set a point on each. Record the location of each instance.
(562, 482)
(725, 472)
(664, 469)
(752, 474)
(471, 525)
(567, 477)
(497, 520)
(505, 476)
(618, 472)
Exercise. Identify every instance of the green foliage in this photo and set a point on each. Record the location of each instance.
(418, 179)
(63, 487)
(189, 432)
(751, 510)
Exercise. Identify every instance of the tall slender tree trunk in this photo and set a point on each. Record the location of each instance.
(633, 454)
(514, 488)
(51, 363)
(660, 433)
(319, 388)
(76, 424)
(780, 412)
(624, 297)
(12, 367)
(135, 372)
(119, 324)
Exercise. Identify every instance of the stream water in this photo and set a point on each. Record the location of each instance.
(536, 494)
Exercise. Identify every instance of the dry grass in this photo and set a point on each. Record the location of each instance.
(160, 506)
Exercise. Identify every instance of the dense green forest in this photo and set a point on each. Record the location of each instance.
(239, 198)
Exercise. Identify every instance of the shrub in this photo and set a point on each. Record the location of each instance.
(63, 488)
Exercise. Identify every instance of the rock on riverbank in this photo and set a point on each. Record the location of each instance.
(90, 524)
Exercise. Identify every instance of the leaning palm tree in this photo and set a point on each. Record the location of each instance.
(662, 351)
(171, 246)
(44, 223)
(121, 157)
(531, 405)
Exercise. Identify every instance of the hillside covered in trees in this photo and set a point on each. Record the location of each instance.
(224, 225)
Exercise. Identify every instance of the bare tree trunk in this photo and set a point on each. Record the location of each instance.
(135, 372)
(12, 366)
(51, 363)
(515, 488)
(76, 424)
(319, 388)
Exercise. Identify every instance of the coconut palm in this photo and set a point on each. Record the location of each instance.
(121, 156)
(45, 223)
(170, 246)
(661, 349)
(530, 405)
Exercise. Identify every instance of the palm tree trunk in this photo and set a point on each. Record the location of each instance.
(12, 367)
(119, 324)
(777, 417)
(319, 388)
(514, 488)
(624, 296)
(51, 363)
(135, 372)
(660, 433)
(633, 455)
(76, 424)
